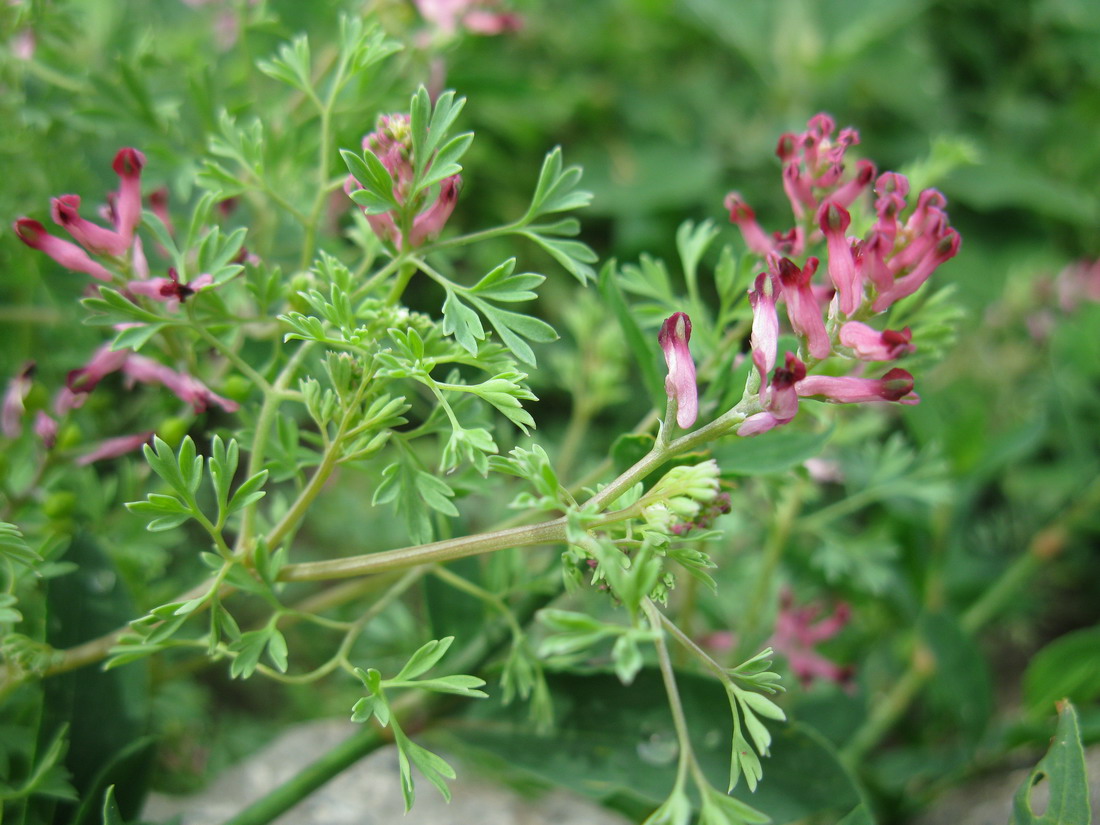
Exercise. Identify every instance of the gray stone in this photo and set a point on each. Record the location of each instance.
(368, 793)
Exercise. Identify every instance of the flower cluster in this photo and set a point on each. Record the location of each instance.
(798, 630)
(865, 275)
(137, 369)
(120, 243)
(391, 143)
(119, 246)
(475, 16)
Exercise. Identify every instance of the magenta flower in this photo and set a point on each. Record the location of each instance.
(871, 345)
(391, 142)
(945, 248)
(895, 385)
(137, 368)
(798, 630)
(680, 382)
(69, 255)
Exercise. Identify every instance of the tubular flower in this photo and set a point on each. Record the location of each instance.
(136, 368)
(114, 447)
(780, 398)
(45, 428)
(871, 345)
(69, 255)
(743, 215)
(764, 338)
(186, 387)
(803, 308)
(896, 385)
(834, 221)
(170, 290)
(123, 212)
(391, 143)
(680, 382)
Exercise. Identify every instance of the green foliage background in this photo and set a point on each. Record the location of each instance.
(669, 104)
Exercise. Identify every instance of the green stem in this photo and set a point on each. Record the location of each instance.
(312, 777)
(264, 422)
(231, 355)
(675, 705)
(397, 289)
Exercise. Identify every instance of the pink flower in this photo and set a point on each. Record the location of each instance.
(946, 247)
(834, 221)
(45, 428)
(103, 362)
(128, 164)
(803, 308)
(65, 211)
(170, 290)
(114, 447)
(798, 631)
(186, 387)
(124, 211)
(680, 382)
(846, 194)
(895, 385)
(780, 398)
(813, 166)
(764, 338)
(474, 15)
(69, 255)
(745, 218)
(11, 413)
(871, 345)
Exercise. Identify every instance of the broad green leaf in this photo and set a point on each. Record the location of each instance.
(1063, 769)
(616, 742)
(1068, 667)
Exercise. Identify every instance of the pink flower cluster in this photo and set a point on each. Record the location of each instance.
(798, 630)
(865, 276)
(475, 16)
(80, 382)
(117, 243)
(123, 213)
(138, 370)
(391, 142)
